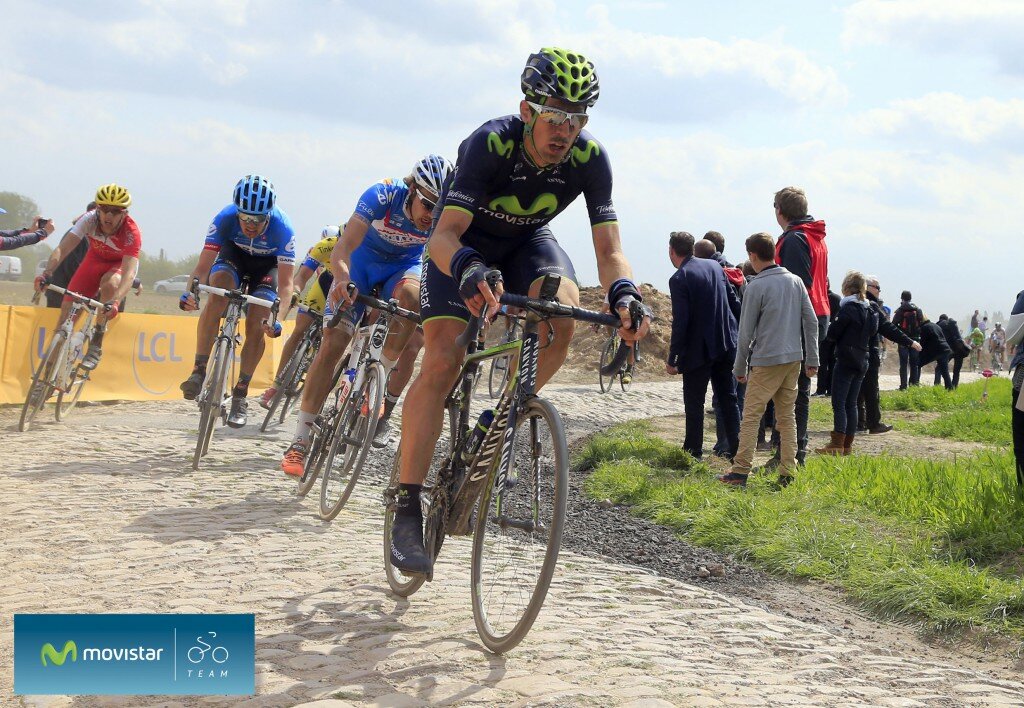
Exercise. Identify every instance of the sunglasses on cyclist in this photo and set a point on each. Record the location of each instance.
(253, 219)
(426, 203)
(555, 116)
(116, 211)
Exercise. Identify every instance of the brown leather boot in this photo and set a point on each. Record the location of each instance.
(835, 446)
(848, 444)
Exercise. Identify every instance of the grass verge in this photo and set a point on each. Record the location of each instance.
(919, 539)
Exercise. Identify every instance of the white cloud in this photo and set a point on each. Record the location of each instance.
(947, 116)
(983, 27)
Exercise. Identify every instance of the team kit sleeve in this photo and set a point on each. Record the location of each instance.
(286, 245)
(217, 234)
(373, 204)
(135, 241)
(597, 187)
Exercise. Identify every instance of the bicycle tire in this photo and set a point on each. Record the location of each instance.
(496, 389)
(295, 392)
(542, 489)
(41, 387)
(319, 442)
(213, 401)
(622, 384)
(290, 369)
(359, 430)
(67, 400)
(607, 355)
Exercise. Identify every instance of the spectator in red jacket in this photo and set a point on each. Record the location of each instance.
(802, 251)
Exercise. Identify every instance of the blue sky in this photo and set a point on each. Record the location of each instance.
(901, 119)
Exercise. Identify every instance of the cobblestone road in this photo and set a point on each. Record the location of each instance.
(104, 514)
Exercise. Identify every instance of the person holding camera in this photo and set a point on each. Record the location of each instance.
(16, 238)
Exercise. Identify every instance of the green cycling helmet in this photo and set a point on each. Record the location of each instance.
(560, 73)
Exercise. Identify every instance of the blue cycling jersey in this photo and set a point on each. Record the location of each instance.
(278, 239)
(392, 235)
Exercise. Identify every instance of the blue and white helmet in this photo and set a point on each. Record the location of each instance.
(255, 195)
(331, 232)
(431, 172)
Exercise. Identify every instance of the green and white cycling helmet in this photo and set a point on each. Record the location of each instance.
(560, 73)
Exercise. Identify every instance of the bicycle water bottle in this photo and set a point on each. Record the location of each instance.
(77, 341)
(477, 436)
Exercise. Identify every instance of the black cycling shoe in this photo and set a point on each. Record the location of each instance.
(92, 358)
(407, 553)
(191, 386)
(239, 407)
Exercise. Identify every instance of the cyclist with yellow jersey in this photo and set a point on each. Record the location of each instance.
(312, 305)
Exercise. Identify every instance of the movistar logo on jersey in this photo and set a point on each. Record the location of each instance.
(57, 658)
(546, 202)
(582, 157)
(495, 144)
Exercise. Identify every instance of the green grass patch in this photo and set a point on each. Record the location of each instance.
(926, 539)
(937, 398)
(965, 414)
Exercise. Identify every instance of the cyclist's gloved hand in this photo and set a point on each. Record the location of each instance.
(274, 331)
(42, 281)
(628, 303)
(112, 310)
(188, 302)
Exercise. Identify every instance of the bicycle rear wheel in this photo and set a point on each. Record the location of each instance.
(352, 441)
(211, 399)
(519, 530)
(281, 396)
(42, 385)
(607, 355)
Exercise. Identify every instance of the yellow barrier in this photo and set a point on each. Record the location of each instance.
(145, 357)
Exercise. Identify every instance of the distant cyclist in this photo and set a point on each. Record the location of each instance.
(317, 262)
(110, 264)
(249, 237)
(382, 244)
(513, 176)
(997, 345)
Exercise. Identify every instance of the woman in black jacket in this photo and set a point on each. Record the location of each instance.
(848, 340)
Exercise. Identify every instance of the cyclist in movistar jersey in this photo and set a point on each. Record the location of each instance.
(249, 237)
(312, 305)
(512, 177)
(382, 244)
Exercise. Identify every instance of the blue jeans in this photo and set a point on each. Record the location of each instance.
(846, 383)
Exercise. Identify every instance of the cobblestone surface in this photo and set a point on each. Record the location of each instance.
(138, 531)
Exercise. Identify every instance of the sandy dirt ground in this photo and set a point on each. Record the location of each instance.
(139, 531)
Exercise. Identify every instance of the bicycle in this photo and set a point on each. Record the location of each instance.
(293, 378)
(58, 371)
(608, 352)
(197, 653)
(343, 431)
(505, 481)
(215, 393)
(497, 379)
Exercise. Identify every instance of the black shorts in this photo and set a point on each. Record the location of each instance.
(521, 264)
(261, 270)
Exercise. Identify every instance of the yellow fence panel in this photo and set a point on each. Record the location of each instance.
(145, 357)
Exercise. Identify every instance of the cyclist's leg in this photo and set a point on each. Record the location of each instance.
(525, 269)
(223, 274)
(303, 320)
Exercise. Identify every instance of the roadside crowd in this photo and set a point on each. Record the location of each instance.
(758, 333)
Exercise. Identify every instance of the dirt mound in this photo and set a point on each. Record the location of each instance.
(585, 352)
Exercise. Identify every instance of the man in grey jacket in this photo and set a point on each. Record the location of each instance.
(778, 336)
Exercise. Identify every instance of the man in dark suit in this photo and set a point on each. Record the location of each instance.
(705, 311)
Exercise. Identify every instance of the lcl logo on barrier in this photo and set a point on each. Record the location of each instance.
(158, 348)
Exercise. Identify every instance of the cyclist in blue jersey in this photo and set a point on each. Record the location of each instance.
(382, 244)
(249, 237)
(513, 176)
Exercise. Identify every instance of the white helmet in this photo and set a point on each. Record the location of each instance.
(330, 232)
(431, 172)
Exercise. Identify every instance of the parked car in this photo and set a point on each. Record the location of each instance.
(10, 268)
(177, 284)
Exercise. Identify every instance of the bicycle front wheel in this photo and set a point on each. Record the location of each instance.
(211, 399)
(356, 426)
(43, 381)
(518, 531)
(498, 377)
(607, 355)
(66, 400)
